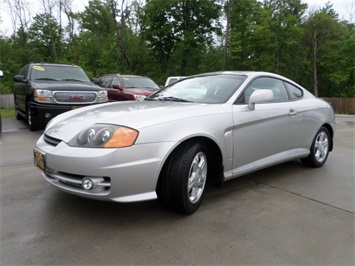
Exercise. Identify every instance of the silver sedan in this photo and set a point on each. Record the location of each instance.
(205, 129)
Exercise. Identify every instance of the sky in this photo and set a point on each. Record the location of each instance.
(344, 8)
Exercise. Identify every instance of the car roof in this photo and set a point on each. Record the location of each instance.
(123, 75)
(52, 64)
(245, 73)
(250, 74)
(132, 76)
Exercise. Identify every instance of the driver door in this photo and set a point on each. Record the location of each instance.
(267, 134)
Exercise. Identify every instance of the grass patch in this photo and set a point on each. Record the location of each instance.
(7, 113)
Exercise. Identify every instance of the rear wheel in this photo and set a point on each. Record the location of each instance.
(319, 149)
(182, 183)
(18, 115)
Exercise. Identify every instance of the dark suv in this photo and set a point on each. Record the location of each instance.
(43, 91)
(127, 87)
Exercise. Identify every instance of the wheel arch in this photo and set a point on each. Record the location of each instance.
(331, 132)
(215, 175)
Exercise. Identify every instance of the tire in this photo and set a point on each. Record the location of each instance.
(319, 150)
(32, 124)
(18, 115)
(182, 183)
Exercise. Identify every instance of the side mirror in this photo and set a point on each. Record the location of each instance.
(260, 96)
(118, 87)
(1, 73)
(20, 78)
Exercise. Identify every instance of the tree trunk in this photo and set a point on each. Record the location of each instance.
(315, 78)
(226, 43)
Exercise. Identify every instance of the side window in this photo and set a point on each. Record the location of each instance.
(24, 71)
(294, 92)
(275, 85)
(105, 82)
(172, 80)
(116, 81)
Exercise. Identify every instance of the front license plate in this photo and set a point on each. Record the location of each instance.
(38, 159)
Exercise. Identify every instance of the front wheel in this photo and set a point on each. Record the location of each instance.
(319, 150)
(182, 183)
(32, 124)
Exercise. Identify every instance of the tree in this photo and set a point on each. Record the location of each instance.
(286, 24)
(182, 28)
(325, 36)
(252, 42)
(44, 37)
(19, 13)
(11, 62)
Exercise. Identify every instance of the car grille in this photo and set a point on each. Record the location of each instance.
(51, 141)
(74, 182)
(74, 97)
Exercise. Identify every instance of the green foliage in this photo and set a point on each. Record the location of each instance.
(160, 38)
(10, 63)
(45, 38)
(177, 30)
(252, 41)
(332, 45)
(7, 113)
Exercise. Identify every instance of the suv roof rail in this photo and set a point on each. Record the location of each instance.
(44, 63)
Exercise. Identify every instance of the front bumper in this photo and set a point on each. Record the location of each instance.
(125, 174)
(43, 113)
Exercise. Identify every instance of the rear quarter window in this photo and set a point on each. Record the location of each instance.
(294, 92)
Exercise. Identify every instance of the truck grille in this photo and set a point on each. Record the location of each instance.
(74, 97)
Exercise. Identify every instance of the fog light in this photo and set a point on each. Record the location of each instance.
(93, 183)
(87, 183)
(48, 115)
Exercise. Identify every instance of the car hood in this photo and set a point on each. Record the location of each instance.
(140, 91)
(132, 114)
(65, 86)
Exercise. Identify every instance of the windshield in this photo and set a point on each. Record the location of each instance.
(139, 82)
(202, 89)
(58, 73)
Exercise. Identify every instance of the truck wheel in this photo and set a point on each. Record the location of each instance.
(32, 124)
(18, 115)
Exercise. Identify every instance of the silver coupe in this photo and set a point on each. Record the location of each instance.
(205, 129)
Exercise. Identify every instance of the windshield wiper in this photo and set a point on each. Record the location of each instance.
(172, 99)
(72, 80)
(46, 79)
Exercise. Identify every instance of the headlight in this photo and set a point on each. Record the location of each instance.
(102, 96)
(105, 136)
(139, 98)
(44, 96)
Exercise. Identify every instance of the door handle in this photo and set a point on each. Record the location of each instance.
(292, 112)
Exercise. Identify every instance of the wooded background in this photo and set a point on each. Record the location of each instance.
(161, 38)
